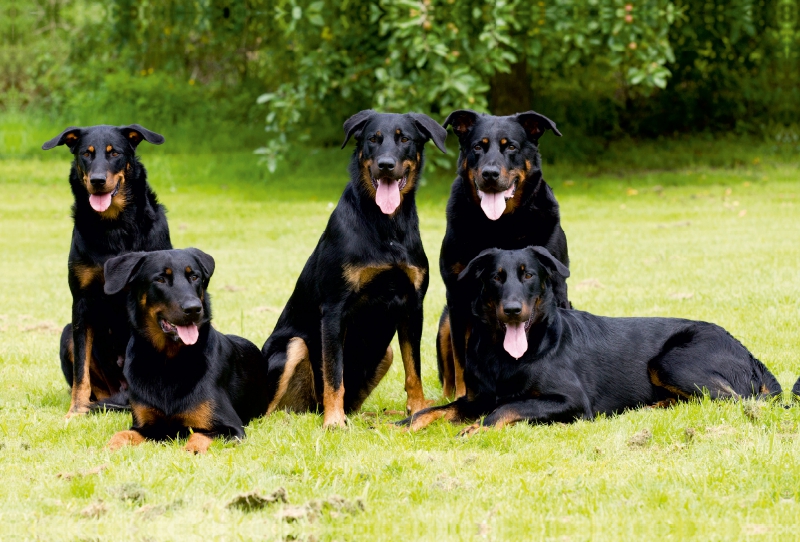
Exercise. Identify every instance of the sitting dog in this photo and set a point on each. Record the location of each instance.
(365, 280)
(498, 200)
(184, 377)
(530, 360)
(115, 211)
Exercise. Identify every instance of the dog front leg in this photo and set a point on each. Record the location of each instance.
(410, 336)
(332, 369)
(539, 410)
(459, 410)
(82, 339)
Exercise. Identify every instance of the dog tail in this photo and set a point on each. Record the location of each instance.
(117, 402)
(770, 387)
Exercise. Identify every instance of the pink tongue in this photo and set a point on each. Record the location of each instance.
(100, 202)
(188, 334)
(493, 204)
(516, 342)
(388, 196)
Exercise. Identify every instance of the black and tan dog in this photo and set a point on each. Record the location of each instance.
(365, 280)
(530, 360)
(498, 200)
(184, 377)
(115, 211)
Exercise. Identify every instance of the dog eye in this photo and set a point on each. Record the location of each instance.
(477, 147)
(115, 154)
(373, 139)
(87, 154)
(498, 278)
(194, 278)
(528, 276)
(161, 280)
(511, 147)
(404, 139)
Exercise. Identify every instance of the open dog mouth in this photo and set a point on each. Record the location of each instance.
(387, 192)
(187, 334)
(516, 337)
(101, 202)
(494, 203)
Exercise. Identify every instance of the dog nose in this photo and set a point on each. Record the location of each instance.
(490, 174)
(192, 307)
(512, 309)
(386, 164)
(98, 182)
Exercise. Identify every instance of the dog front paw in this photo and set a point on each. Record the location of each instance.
(198, 443)
(470, 430)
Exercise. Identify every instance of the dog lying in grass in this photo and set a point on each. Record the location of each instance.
(364, 282)
(530, 360)
(115, 211)
(184, 377)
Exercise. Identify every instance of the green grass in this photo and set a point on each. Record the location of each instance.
(718, 244)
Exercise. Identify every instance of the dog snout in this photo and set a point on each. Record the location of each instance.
(490, 174)
(97, 181)
(192, 307)
(386, 164)
(512, 308)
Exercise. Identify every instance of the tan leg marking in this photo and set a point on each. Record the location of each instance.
(415, 396)
(82, 391)
(125, 438)
(201, 417)
(296, 353)
(446, 351)
(359, 276)
(333, 405)
(198, 443)
(424, 420)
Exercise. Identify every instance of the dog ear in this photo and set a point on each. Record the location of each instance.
(68, 137)
(549, 262)
(478, 265)
(135, 133)
(355, 124)
(536, 125)
(205, 261)
(120, 271)
(431, 129)
(462, 121)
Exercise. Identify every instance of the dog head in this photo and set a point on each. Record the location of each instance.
(512, 291)
(498, 154)
(104, 155)
(167, 299)
(389, 152)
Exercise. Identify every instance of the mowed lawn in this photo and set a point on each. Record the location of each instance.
(714, 244)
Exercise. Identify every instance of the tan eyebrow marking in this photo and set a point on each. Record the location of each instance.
(188, 269)
(108, 149)
(397, 131)
(485, 140)
(91, 149)
(378, 133)
(503, 141)
(168, 271)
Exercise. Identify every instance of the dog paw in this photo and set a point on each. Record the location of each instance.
(124, 438)
(198, 443)
(472, 429)
(335, 420)
(76, 411)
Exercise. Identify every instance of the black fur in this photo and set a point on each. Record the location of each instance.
(105, 163)
(578, 365)
(495, 154)
(223, 376)
(367, 277)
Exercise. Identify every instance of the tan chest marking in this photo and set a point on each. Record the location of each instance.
(360, 276)
(87, 274)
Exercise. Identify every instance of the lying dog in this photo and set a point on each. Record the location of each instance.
(530, 360)
(365, 280)
(115, 211)
(184, 376)
(498, 200)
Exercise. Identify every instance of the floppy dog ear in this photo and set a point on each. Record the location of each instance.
(120, 271)
(462, 121)
(549, 262)
(355, 124)
(205, 261)
(536, 125)
(431, 129)
(478, 265)
(68, 137)
(135, 133)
